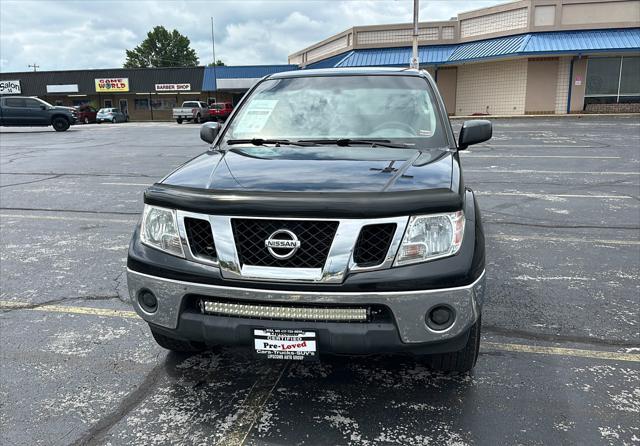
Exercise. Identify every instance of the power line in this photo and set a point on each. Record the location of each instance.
(34, 66)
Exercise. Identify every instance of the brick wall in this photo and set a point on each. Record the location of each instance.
(493, 23)
(496, 88)
(613, 108)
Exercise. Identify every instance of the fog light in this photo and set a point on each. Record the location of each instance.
(439, 318)
(148, 301)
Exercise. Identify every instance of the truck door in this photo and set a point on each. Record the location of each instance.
(15, 112)
(38, 113)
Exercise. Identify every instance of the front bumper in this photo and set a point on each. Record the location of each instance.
(408, 309)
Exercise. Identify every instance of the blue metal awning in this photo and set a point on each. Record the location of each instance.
(580, 41)
(240, 72)
(503, 46)
(537, 44)
(430, 55)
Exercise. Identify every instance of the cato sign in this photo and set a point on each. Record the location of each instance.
(112, 84)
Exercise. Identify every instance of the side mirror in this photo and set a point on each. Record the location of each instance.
(209, 131)
(474, 132)
(43, 107)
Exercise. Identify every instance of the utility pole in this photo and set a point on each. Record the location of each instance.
(213, 51)
(415, 62)
(34, 66)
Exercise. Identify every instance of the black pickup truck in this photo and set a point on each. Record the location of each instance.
(328, 216)
(21, 111)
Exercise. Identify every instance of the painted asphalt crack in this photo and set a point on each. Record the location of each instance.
(31, 182)
(8, 306)
(536, 336)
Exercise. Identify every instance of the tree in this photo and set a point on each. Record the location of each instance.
(162, 48)
(219, 63)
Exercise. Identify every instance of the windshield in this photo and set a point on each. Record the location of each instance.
(104, 110)
(395, 108)
(44, 102)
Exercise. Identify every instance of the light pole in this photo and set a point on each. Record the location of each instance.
(415, 61)
(213, 51)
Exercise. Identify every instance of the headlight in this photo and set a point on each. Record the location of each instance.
(431, 237)
(160, 230)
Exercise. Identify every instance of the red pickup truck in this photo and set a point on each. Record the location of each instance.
(220, 111)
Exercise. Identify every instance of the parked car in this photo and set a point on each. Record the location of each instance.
(110, 115)
(32, 111)
(86, 114)
(191, 111)
(220, 111)
(329, 215)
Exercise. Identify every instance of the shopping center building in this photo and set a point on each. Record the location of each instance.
(141, 93)
(523, 57)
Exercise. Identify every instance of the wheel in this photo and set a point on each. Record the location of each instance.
(113, 120)
(86, 120)
(197, 120)
(179, 120)
(463, 360)
(60, 124)
(175, 345)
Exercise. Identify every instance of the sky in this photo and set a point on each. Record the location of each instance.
(74, 34)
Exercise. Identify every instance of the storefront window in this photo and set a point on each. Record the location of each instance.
(613, 80)
(141, 104)
(630, 82)
(163, 104)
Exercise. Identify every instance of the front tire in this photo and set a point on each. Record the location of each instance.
(173, 344)
(113, 121)
(463, 360)
(198, 119)
(60, 124)
(86, 120)
(179, 120)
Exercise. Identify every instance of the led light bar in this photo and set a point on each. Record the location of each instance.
(283, 312)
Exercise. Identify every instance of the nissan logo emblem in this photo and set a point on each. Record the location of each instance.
(282, 244)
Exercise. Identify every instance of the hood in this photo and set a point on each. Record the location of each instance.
(319, 169)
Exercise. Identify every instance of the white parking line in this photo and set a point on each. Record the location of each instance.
(550, 172)
(473, 155)
(100, 218)
(543, 196)
(128, 184)
(518, 238)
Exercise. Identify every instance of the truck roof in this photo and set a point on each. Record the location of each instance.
(389, 71)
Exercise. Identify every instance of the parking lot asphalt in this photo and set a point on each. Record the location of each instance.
(560, 354)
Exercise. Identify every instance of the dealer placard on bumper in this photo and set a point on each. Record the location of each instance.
(296, 345)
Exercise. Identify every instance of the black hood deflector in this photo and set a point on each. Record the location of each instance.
(304, 204)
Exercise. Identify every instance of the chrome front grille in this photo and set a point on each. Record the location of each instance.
(315, 238)
(243, 247)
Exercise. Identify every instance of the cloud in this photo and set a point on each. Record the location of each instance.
(77, 35)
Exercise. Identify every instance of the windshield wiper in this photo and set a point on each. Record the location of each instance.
(264, 142)
(344, 142)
